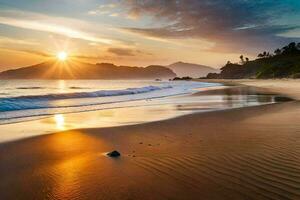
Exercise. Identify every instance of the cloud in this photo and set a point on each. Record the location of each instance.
(103, 9)
(87, 57)
(9, 41)
(33, 52)
(114, 15)
(21, 45)
(295, 33)
(230, 24)
(39, 22)
(125, 52)
(38, 53)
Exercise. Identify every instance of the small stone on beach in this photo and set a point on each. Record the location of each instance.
(113, 154)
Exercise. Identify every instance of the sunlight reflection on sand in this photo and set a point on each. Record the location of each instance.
(138, 112)
(59, 121)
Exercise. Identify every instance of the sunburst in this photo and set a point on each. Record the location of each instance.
(62, 56)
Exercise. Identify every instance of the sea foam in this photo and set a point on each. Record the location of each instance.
(36, 101)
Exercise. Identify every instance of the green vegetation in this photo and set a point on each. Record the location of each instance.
(284, 63)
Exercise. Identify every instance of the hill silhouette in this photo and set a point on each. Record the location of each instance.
(191, 70)
(78, 70)
(284, 63)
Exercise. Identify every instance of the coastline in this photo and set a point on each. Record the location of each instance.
(203, 99)
(241, 153)
(288, 87)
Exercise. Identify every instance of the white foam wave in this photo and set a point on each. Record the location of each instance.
(38, 101)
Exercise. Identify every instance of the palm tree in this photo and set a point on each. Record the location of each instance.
(242, 59)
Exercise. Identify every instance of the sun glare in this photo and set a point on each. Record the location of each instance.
(62, 56)
(59, 121)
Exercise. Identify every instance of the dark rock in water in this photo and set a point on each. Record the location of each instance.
(282, 99)
(113, 154)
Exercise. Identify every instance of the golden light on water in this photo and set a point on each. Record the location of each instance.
(61, 85)
(59, 121)
(62, 55)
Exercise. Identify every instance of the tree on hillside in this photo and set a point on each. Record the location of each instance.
(290, 48)
(277, 52)
(287, 65)
(242, 59)
(264, 54)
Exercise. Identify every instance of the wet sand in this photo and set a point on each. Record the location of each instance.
(289, 87)
(243, 153)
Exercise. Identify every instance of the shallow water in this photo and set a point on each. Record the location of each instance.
(135, 111)
(21, 100)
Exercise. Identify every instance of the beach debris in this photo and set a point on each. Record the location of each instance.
(113, 154)
(141, 142)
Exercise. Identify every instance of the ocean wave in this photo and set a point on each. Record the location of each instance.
(42, 101)
(29, 88)
(75, 87)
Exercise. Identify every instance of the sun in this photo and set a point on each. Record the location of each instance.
(62, 55)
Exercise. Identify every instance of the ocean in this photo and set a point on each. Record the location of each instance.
(22, 100)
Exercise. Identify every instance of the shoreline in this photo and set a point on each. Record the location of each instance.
(242, 153)
(288, 87)
(207, 99)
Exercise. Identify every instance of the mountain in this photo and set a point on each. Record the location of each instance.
(284, 63)
(78, 70)
(192, 70)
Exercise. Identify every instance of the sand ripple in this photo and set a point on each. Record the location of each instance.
(247, 155)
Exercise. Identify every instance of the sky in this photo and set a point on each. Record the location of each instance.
(144, 32)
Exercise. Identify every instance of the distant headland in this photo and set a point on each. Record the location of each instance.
(283, 63)
(56, 69)
(79, 70)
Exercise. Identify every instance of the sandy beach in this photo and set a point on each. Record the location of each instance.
(289, 87)
(242, 153)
